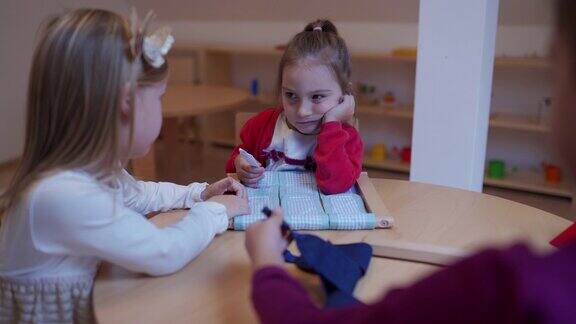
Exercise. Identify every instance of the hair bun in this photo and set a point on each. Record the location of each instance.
(324, 25)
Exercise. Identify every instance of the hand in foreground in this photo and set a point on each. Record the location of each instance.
(264, 241)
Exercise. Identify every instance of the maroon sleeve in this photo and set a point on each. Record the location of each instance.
(566, 237)
(255, 136)
(338, 156)
(481, 289)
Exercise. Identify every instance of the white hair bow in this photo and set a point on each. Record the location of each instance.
(157, 45)
(153, 46)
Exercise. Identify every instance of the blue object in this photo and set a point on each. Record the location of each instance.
(339, 266)
(255, 87)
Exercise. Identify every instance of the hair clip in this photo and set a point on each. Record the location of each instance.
(157, 45)
(317, 28)
(152, 47)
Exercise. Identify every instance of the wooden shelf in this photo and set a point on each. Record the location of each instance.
(382, 57)
(269, 51)
(243, 50)
(527, 62)
(401, 112)
(515, 122)
(387, 165)
(505, 61)
(498, 120)
(522, 181)
(531, 182)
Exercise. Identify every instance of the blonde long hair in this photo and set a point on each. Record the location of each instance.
(82, 60)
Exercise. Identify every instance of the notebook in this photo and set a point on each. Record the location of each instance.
(304, 206)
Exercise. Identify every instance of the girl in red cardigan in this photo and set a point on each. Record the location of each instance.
(313, 128)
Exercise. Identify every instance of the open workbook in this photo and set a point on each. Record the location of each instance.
(306, 208)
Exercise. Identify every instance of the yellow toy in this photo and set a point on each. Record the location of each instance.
(378, 152)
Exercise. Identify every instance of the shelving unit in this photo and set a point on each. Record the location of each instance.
(524, 181)
(214, 66)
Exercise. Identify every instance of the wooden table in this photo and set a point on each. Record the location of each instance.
(187, 100)
(215, 287)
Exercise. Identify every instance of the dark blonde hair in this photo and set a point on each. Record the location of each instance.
(320, 42)
(82, 60)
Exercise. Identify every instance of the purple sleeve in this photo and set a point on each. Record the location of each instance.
(279, 298)
(480, 289)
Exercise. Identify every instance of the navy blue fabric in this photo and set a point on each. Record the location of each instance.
(339, 266)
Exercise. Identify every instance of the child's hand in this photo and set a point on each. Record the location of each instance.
(248, 175)
(234, 205)
(264, 241)
(227, 184)
(342, 112)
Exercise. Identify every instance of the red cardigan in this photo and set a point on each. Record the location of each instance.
(338, 153)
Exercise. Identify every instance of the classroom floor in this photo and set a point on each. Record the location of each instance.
(196, 162)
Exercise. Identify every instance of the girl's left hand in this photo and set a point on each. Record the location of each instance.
(342, 112)
(220, 187)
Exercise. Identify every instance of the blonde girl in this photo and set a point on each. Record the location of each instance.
(94, 102)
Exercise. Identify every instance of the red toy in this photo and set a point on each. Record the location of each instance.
(405, 153)
(553, 173)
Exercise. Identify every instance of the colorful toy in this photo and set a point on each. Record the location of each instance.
(496, 169)
(255, 87)
(389, 100)
(543, 108)
(378, 152)
(405, 153)
(405, 52)
(366, 93)
(552, 173)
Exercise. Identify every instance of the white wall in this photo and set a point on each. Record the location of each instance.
(512, 12)
(19, 21)
(453, 89)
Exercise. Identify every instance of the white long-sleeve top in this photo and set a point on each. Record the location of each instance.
(68, 222)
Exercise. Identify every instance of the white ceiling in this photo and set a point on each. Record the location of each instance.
(512, 12)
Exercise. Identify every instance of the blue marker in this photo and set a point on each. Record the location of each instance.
(255, 87)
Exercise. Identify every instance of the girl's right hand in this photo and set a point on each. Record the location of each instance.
(343, 111)
(235, 205)
(247, 174)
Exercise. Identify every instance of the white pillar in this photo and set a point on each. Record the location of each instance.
(453, 87)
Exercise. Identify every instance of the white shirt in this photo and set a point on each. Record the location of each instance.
(68, 222)
(293, 144)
